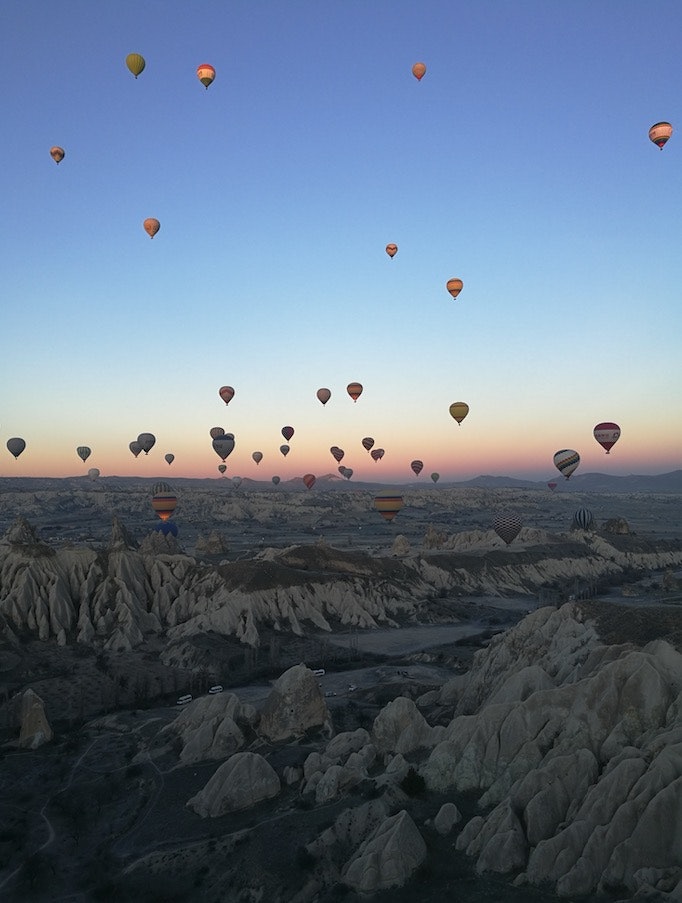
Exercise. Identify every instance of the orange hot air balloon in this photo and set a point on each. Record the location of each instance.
(388, 503)
(287, 432)
(459, 410)
(226, 393)
(164, 504)
(205, 74)
(354, 390)
(391, 250)
(367, 442)
(216, 431)
(57, 154)
(419, 71)
(417, 466)
(257, 456)
(659, 133)
(151, 226)
(323, 395)
(309, 480)
(454, 286)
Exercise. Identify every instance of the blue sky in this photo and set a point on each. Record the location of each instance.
(520, 163)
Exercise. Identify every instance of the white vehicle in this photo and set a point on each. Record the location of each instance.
(217, 689)
(352, 688)
(183, 700)
(320, 672)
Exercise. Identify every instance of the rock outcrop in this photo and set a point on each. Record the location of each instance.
(211, 727)
(35, 728)
(245, 779)
(388, 858)
(295, 705)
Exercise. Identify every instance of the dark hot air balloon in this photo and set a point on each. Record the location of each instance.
(15, 446)
(287, 432)
(275, 480)
(169, 458)
(135, 448)
(337, 453)
(354, 390)
(216, 431)
(417, 466)
(323, 395)
(459, 410)
(164, 504)
(435, 477)
(57, 154)
(368, 442)
(226, 393)
(222, 468)
(377, 454)
(507, 526)
(257, 456)
(284, 449)
(147, 442)
(223, 445)
(582, 519)
(83, 452)
(309, 480)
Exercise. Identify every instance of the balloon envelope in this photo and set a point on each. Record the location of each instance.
(566, 460)
(552, 485)
(15, 446)
(507, 526)
(337, 452)
(169, 458)
(323, 395)
(223, 445)
(205, 74)
(435, 477)
(93, 473)
(391, 250)
(222, 468)
(83, 452)
(582, 519)
(659, 133)
(161, 486)
(135, 62)
(151, 226)
(164, 504)
(607, 434)
(147, 442)
(216, 431)
(257, 456)
(417, 466)
(419, 70)
(459, 410)
(57, 154)
(309, 480)
(275, 480)
(287, 432)
(135, 447)
(377, 454)
(388, 503)
(354, 390)
(284, 449)
(368, 442)
(226, 393)
(454, 286)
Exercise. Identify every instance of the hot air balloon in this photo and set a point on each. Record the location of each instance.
(223, 445)
(287, 432)
(83, 452)
(659, 133)
(161, 486)
(257, 456)
(57, 154)
(135, 447)
(226, 393)
(147, 441)
(552, 485)
(417, 466)
(337, 453)
(135, 62)
(391, 250)
(205, 74)
(216, 431)
(275, 480)
(388, 503)
(284, 449)
(93, 473)
(222, 468)
(236, 482)
(323, 395)
(151, 226)
(566, 460)
(368, 442)
(169, 458)
(419, 70)
(507, 526)
(354, 390)
(607, 434)
(164, 504)
(377, 454)
(582, 519)
(459, 410)
(435, 477)
(15, 446)
(348, 473)
(167, 528)
(454, 286)
(309, 480)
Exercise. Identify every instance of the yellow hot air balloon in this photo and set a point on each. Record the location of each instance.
(659, 133)
(391, 250)
(459, 410)
(205, 74)
(388, 503)
(57, 154)
(151, 226)
(135, 62)
(419, 71)
(454, 286)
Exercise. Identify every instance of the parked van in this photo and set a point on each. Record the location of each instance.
(217, 689)
(320, 672)
(183, 700)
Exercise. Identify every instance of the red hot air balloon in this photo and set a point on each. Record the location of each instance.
(419, 71)
(607, 434)
(309, 480)
(417, 466)
(151, 226)
(226, 393)
(354, 390)
(323, 395)
(367, 442)
(205, 74)
(388, 503)
(287, 432)
(391, 250)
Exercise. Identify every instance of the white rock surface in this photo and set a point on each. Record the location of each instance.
(388, 858)
(245, 779)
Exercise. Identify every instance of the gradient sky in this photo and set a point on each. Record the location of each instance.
(520, 163)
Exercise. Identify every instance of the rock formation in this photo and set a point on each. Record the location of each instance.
(211, 727)
(295, 705)
(35, 728)
(388, 858)
(245, 779)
